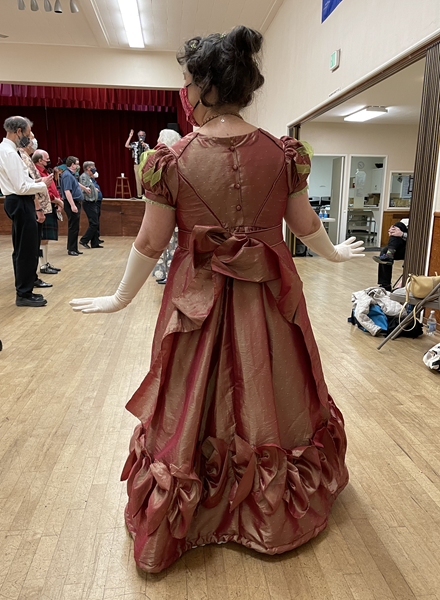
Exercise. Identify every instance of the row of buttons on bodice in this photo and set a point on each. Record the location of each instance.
(237, 185)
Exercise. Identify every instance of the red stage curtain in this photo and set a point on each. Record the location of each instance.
(93, 98)
(97, 135)
(94, 123)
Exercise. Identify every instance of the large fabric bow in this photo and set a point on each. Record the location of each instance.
(217, 253)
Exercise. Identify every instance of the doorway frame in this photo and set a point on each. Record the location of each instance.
(422, 210)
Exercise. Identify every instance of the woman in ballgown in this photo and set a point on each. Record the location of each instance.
(238, 437)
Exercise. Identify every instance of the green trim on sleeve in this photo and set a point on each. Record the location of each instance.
(298, 193)
(145, 199)
(144, 157)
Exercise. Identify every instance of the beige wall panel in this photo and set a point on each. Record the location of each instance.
(298, 48)
(88, 67)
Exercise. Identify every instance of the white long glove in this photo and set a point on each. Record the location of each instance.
(136, 273)
(320, 243)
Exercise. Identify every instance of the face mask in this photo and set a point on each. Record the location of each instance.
(23, 141)
(142, 138)
(93, 170)
(47, 164)
(188, 107)
(34, 144)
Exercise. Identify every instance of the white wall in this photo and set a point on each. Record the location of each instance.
(92, 67)
(320, 180)
(398, 142)
(298, 47)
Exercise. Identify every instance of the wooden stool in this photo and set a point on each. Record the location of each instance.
(122, 187)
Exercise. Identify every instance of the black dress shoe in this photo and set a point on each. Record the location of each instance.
(74, 253)
(98, 246)
(42, 284)
(85, 245)
(54, 268)
(162, 281)
(48, 270)
(100, 241)
(30, 301)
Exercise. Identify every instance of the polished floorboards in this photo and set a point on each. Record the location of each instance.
(64, 433)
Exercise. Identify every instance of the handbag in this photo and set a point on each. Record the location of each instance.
(419, 286)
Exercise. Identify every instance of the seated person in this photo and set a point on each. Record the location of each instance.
(395, 250)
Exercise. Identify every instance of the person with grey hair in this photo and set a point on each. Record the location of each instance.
(137, 149)
(41, 160)
(90, 206)
(161, 270)
(22, 207)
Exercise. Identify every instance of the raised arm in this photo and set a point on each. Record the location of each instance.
(154, 235)
(127, 143)
(305, 224)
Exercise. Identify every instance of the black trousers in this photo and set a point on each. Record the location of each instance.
(21, 211)
(92, 233)
(73, 229)
(98, 204)
(385, 272)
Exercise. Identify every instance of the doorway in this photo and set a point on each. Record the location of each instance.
(364, 212)
(326, 186)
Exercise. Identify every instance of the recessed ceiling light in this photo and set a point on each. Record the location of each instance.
(132, 22)
(370, 112)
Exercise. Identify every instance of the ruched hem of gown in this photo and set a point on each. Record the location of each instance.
(241, 487)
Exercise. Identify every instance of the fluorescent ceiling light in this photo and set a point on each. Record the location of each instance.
(370, 112)
(132, 22)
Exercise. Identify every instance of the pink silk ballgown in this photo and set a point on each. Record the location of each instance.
(238, 438)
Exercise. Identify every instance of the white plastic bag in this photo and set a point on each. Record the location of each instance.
(432, 358)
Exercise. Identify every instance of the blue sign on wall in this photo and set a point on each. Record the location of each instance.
(328, 6)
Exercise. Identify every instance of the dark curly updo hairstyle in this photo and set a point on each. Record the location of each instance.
(228, 61)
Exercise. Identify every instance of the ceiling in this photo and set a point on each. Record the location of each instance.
(401, 94)
(166, 23)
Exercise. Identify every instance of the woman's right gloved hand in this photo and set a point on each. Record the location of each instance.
(136, 273)
(320, 243)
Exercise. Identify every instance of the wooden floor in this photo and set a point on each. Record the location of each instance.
(64, 434)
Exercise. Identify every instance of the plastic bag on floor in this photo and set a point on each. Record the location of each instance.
(432, 358)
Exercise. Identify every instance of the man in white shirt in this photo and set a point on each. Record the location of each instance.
(20, 189)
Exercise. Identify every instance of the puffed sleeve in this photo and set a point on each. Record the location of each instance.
(298, 161)
(158, 170)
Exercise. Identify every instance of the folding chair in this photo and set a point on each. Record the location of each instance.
(432, 300)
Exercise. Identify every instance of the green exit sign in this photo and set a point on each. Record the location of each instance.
(335, 60)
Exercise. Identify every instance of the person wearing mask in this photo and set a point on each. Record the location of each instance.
(137, 149)
(238, 438)
(90, 206)
(23, 208)
(160, 271)
(71, 192)
(98, 202)
(394, 250)
(42, 198)
(41, 160)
